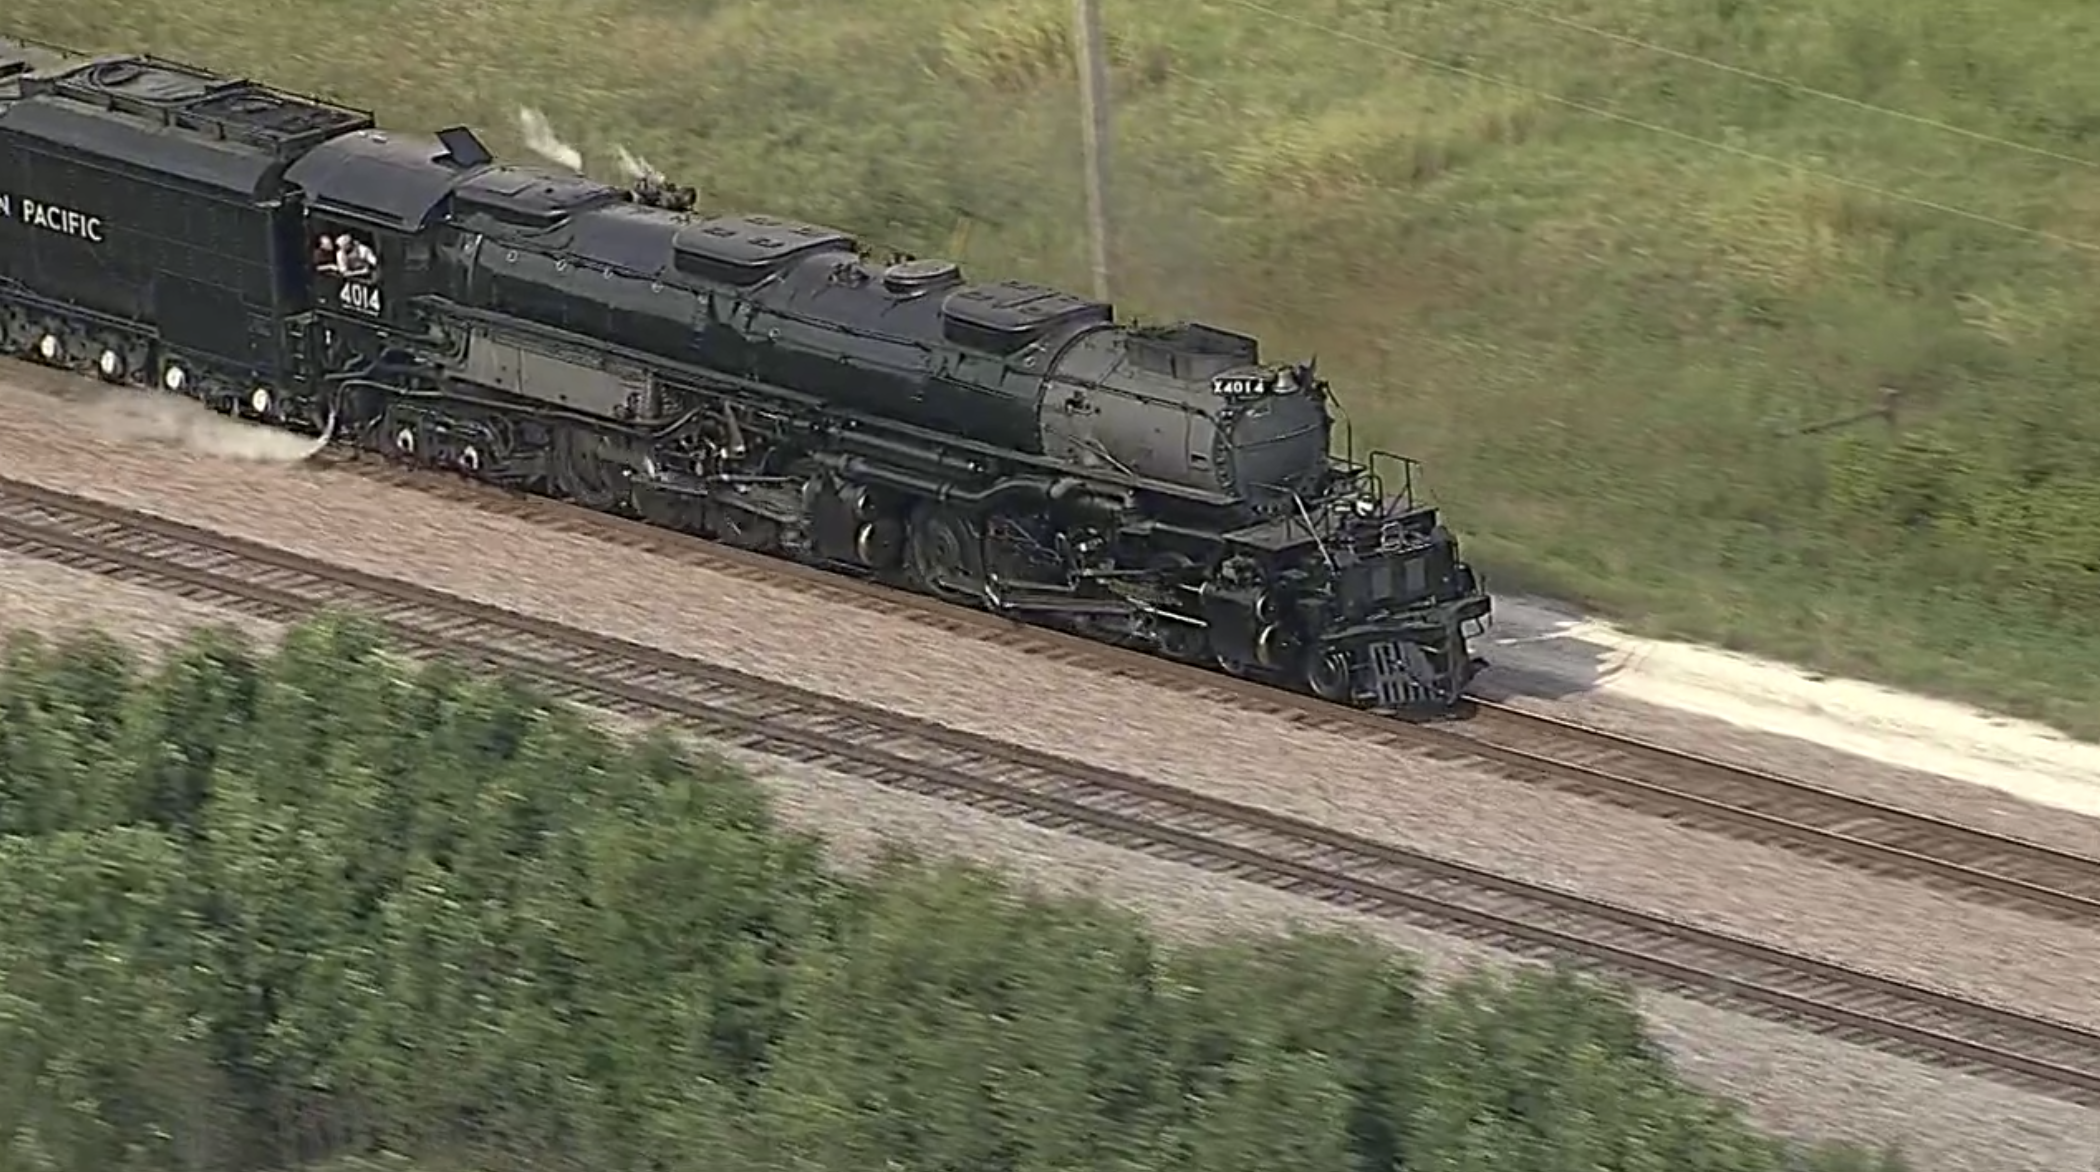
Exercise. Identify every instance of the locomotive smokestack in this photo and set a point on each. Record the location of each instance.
(651, 186)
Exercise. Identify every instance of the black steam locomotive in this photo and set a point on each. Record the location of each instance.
(756, 381)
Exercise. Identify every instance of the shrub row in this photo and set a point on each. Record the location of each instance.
(268, 909)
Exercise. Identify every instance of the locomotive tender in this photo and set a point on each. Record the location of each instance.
(756, 381)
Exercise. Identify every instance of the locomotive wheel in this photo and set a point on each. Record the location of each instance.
(580, 476)
(741, 528)
(672, 510)
(1183, 641)
(49, 341)
(879, 543)
(15, 334)
(1328, 676)
(473, 451)
(400, 438)
(1275, 648)
(119, 359)
(945, 552)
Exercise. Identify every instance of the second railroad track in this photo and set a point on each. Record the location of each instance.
(890, 749)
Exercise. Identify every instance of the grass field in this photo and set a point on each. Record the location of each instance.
(1602, 295)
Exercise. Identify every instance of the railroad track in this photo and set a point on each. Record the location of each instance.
(1753, 804)
(889, 749)
(1744, 803)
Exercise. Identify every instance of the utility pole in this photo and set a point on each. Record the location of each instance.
(1093, 109)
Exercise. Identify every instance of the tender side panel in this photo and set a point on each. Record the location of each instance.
(149, 191)
(87, 221)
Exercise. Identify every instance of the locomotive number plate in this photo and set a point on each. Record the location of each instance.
(362, 298)
(1239, 386)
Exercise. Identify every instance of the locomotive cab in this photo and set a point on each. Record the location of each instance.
(370, 254)
(370, 198)
(354, 268)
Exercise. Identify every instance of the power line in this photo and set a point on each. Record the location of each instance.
(1610, 115)
(1785, 83)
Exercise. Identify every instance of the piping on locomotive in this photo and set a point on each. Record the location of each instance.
(757, 381)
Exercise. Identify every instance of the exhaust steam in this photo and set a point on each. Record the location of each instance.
(635, 167)
(638, 172)
(129, 417)
(541, 140)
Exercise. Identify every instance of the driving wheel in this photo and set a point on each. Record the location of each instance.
(1189, 642)
(580, 475)
(945, 552)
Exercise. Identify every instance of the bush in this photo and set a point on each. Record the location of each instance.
(320, 905)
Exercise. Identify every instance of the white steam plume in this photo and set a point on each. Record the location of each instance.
(540, 140)
(128, 417)
(635, 167)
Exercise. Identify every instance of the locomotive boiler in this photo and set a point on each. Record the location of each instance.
(769, 384)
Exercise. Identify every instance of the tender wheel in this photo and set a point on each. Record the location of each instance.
(174, 377)
(945, 553)
(260, 402)
(110, 365)
(51, 348)
(17, 335)
(469, 459)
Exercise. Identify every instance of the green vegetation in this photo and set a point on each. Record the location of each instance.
(1601, 336)
(319, 906)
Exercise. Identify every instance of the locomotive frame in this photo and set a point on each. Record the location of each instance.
(743, 378)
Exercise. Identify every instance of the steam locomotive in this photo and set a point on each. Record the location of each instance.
(753, 380)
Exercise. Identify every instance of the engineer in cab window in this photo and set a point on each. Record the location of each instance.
(347, 257)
